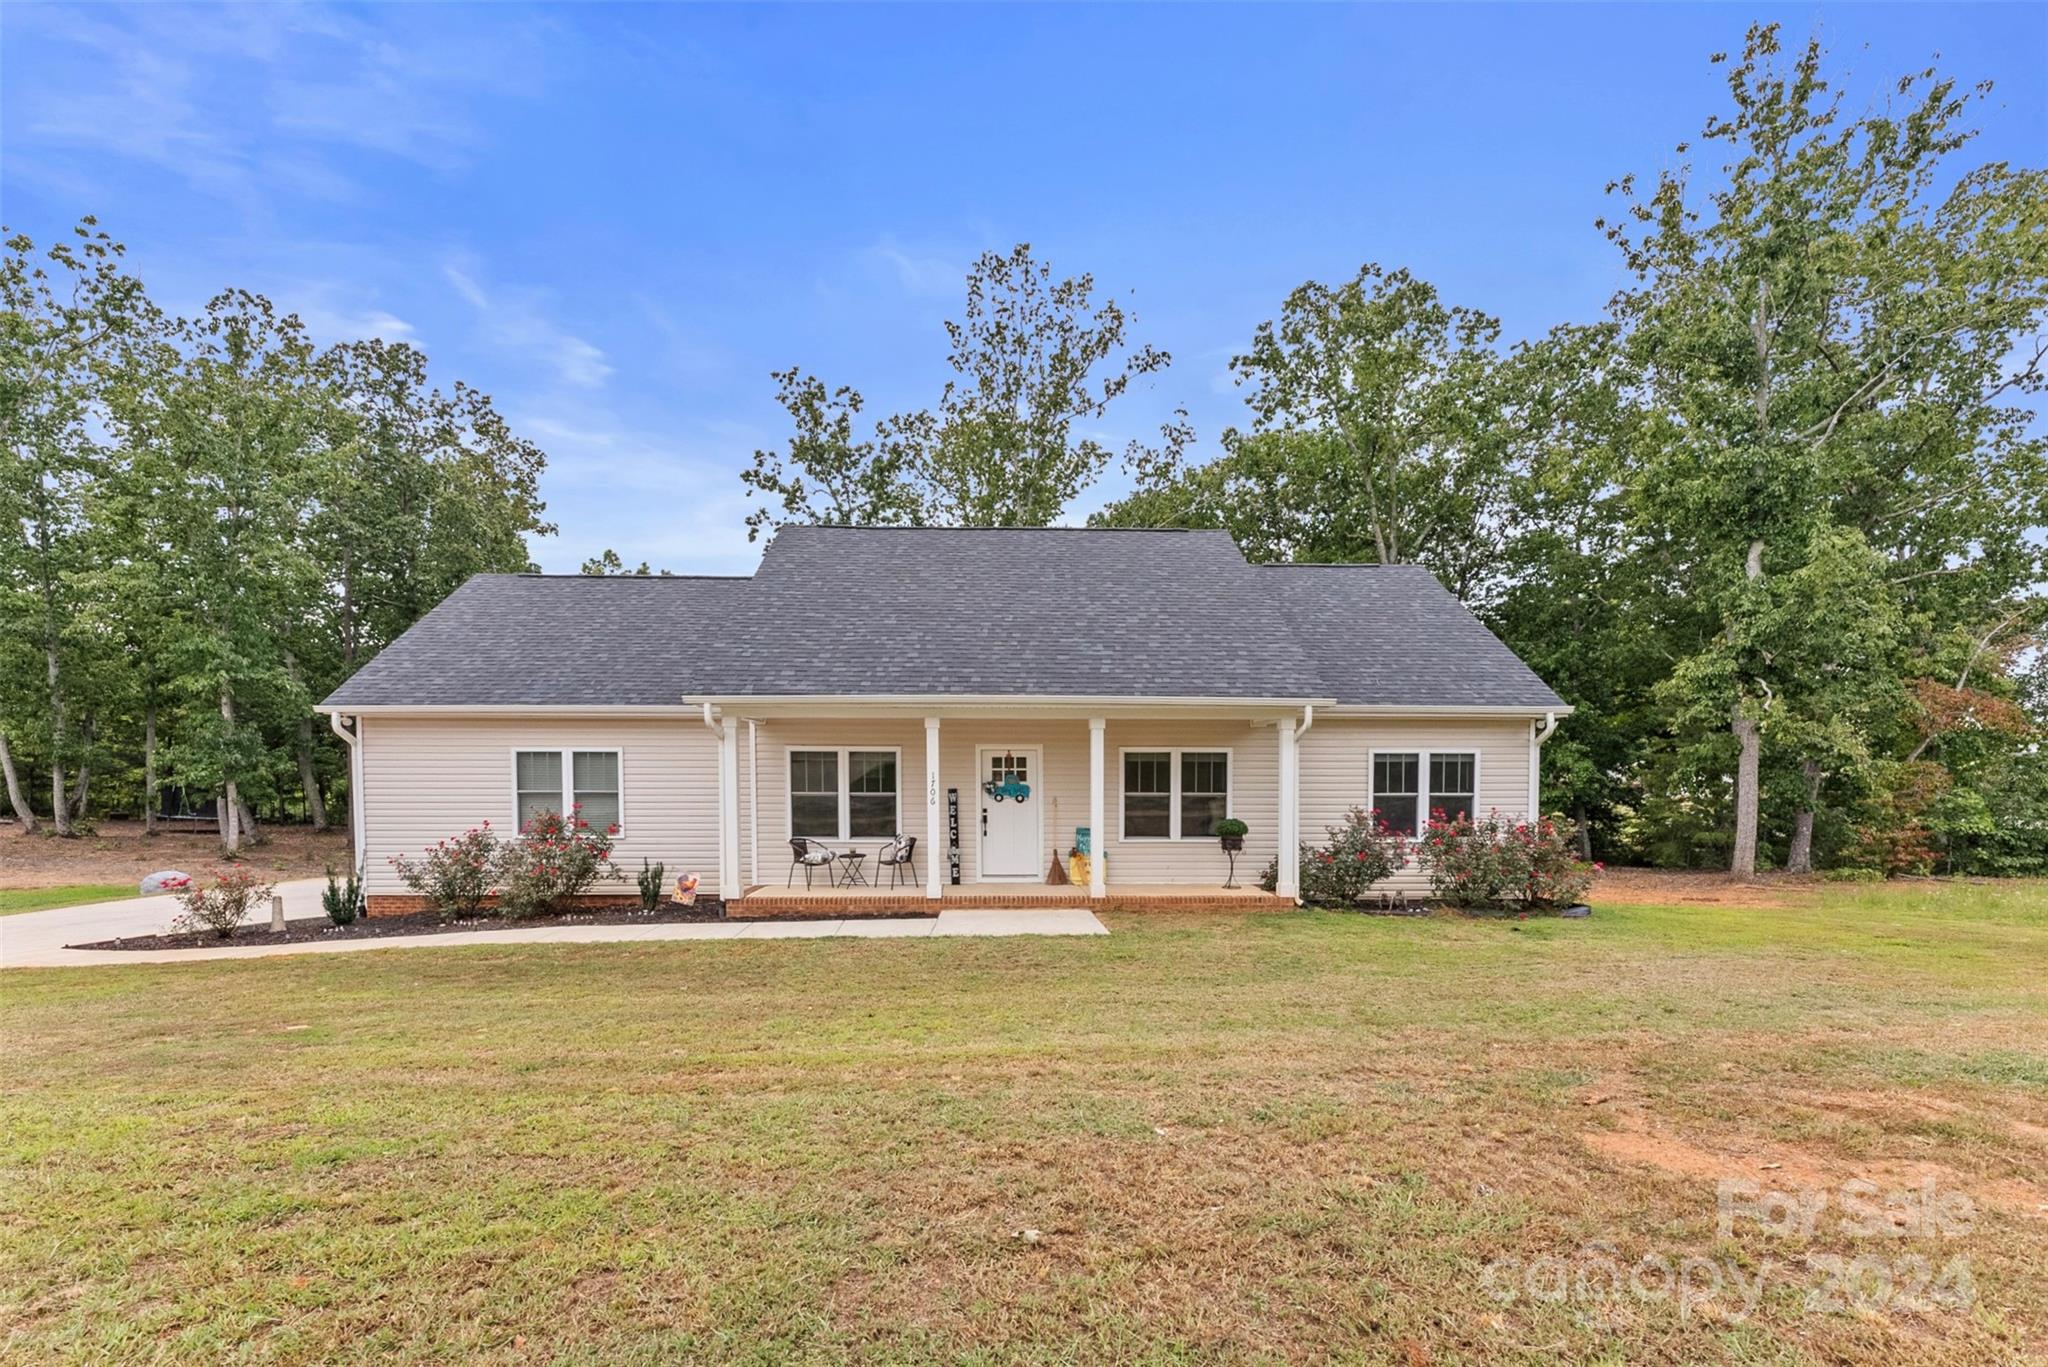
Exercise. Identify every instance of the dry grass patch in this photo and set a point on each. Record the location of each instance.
(117, 852)
(1247, 1138)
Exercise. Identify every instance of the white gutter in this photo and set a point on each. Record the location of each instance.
(1440, 710)
(1308, 721)
(495, 709)
(928, 700)
(356, 806)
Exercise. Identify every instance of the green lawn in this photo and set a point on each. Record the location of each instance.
(76, 894)
(1266, 1138)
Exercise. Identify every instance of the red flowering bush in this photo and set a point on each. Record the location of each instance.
(555, 859)
(1363, 851)
(455, 876)
(1497, 861)
(221, 907)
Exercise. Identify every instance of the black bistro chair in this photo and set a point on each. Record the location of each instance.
(896, 856)
(810, 856)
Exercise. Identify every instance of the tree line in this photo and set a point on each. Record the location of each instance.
(1773, 524)
(205, 525)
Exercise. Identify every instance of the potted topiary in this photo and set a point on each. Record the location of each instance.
(1232, 832)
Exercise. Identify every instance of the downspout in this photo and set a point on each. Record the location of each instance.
(1543, 731)
(1290, 820)
(357, 817)
(754, 799)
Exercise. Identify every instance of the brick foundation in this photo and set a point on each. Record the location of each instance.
(405, 903)
(783, 906)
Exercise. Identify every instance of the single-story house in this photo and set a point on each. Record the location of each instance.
(992, 693)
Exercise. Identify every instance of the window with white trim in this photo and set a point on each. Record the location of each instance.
(1204, 792)
(845, 794)
(1174, 794)
(1453, 786)
(1410, 787)
(1397, 790)
(871, 794)
(568, 780)
(1148, 795)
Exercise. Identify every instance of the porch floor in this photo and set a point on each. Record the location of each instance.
(765, 899)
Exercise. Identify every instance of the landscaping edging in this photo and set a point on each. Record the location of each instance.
(318, 929)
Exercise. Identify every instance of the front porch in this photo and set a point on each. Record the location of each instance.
(801, 903)
(992, 794)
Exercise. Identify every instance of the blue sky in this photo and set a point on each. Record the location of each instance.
(618, 220)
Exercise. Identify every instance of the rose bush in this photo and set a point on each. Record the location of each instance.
(455, 876)
(556, 859)
(221, 907)
(1496, 861)
(1361, 852)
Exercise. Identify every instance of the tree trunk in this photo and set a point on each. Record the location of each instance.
(149, 799)
(251, 832)
(231, 798)
(88, 733)
(1799, 858)
(1585, 832)
(316, 806)
(60, 810)
(1748, 735)
(15, 798)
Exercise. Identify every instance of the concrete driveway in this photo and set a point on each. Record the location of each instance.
(36, 939)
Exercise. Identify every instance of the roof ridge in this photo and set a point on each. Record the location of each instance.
(1339, 565)
(884, 527)
(596, 578)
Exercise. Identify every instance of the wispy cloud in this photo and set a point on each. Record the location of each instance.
(330, 318)
(515, 320)
(239, 99)
(928, 271)
(685, 511)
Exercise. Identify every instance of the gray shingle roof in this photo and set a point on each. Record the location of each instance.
(1392, 635)
(1051, 612)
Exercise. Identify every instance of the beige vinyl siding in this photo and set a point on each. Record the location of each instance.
(428, 778)
(1336, 768)
(1062, 786)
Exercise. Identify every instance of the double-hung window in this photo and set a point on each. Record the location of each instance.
(567, 780)
(845, 794)
(1174, 794)
(1410, 787)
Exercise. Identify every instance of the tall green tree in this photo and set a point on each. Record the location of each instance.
(1398, 384)
(235, 427)
(65, 315)
(1827, 338)
(1032, 358)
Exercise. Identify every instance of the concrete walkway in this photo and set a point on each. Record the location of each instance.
(36, 939)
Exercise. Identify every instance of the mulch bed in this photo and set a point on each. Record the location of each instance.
(311, 928)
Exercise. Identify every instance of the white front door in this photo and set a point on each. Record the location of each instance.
(1012, 814)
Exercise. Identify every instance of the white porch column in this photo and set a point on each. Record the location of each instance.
(1098, 835)
(1289, 881)
(935, 854)
(730, 881)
